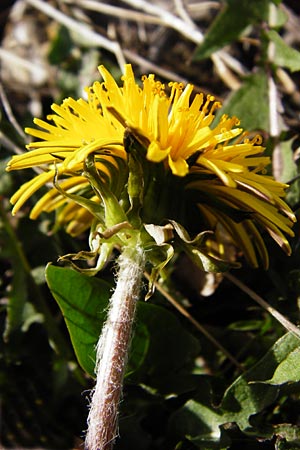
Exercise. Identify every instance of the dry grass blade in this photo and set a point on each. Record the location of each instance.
(289, 326)
(116, 11)
(10, 115)
(181, 10)
(149, 13)
(8, 143)
(152, 67)
(23, 64)
(82, 29)
(168, 19)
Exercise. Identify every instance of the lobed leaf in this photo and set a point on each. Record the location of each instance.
(250, 103)
(285, 56)
(230, 23)
(250, 394)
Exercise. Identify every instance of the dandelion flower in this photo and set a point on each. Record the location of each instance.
(206, 174)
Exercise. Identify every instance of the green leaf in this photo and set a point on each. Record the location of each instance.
(250, 103)
(279, 16)
(285, 56)
(289, 436)
(246, 387)
(61, 46)
(289, 167)
(17, 298)
(171, 346)
(160, 344)
(230, 23)
(248, 395)
(6, 181)
(83, 301)
(139, 348)
(30, 316)
(289, 172)
(276, 2)
(246, 325)
(18, 292)
(288, 370)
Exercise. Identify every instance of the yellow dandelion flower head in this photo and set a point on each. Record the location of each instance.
(173, 126)
(204, 173)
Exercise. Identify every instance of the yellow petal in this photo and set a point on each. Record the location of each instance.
(179, 167)
(226, 179)
(29, 188)
(155, 153)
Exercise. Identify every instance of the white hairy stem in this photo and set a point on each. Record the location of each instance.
(112, 351)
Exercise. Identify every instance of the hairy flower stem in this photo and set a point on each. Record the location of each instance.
(112, 351)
